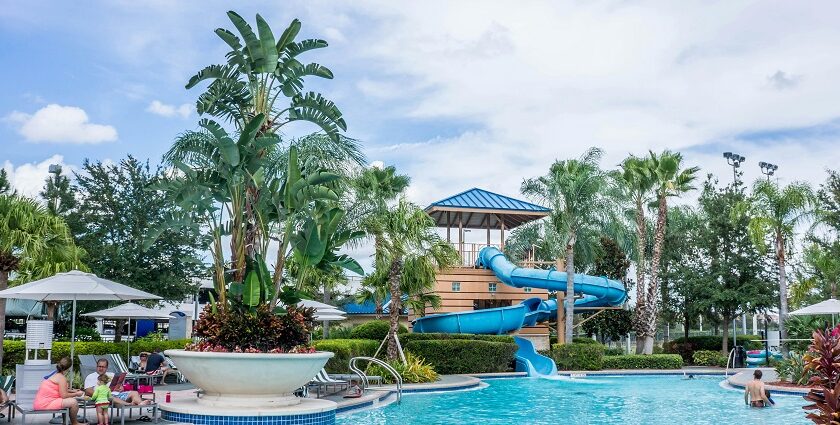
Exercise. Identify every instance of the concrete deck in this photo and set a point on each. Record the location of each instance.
(744, 376)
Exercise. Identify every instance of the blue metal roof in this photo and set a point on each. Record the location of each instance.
(368, 307)
(483, 199)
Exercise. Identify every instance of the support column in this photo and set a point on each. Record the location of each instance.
(755, 325)
(488, 229)
(461, 236)
(448, 226)
(560, 264)
(744, 324)
(502, 224)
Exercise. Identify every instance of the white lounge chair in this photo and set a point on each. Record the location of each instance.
(323, 380)
(27, 380)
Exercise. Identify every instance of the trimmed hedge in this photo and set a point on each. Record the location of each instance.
(614, 352)
(638, 361)
(686, 347)
(375, 329)
(708, 358)
(14, 352)
(455, 355)
(576, 356)
(583, 340)
(345, 349)
(438, 336)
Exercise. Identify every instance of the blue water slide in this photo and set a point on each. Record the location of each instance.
(597, 292)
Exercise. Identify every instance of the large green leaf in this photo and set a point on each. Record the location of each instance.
(227, 148)
(252, 43)
(252, 288)
(308, 245)
(288, 35)
(294, 49)
(209, 72)
(269, 50)
(292, 176)
(348, 263)
(293, 76)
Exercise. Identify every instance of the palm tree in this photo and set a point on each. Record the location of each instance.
(579, 195)
(636, 175)
(409, 255)
(669, 181)
(33, 241)
(774, 214)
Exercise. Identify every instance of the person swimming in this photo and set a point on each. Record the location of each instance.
(755, 395)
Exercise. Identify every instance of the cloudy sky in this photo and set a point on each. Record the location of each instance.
(455, 94)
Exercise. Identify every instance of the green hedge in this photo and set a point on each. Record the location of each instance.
(584, 340)
(686, 347)
(14, 353)
(577, 356)
(614, 352)
(449, 356)
(345, 349)
(375, 329)
(708, 358)
(437, 336)
(637, 361)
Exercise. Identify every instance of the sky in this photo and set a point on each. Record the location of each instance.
(455, 94)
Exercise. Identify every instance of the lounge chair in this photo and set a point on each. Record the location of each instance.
(351, 376)
(323, 380)
(27, 380)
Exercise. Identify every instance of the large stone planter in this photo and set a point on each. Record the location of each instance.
(260, 380)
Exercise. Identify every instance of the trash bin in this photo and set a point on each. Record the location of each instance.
(740, 357)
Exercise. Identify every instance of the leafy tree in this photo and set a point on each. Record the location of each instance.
(610, 325)
(669, 181)
(680, 260)
(33, 243)
(5, 185)
(116, 211)
(411, 254)
(733, 278)
(774, 212)
(818, 274)
(59, 195)
(578, 193)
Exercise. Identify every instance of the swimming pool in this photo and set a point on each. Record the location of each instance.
(592, 400)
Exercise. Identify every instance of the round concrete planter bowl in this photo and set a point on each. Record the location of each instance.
(259, 380)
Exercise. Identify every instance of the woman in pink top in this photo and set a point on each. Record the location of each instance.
(54, 393)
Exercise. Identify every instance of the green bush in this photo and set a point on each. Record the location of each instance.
(14, 353)
(437, 336)
(792, 369)
(375, 329)
(415, 371)
(576, 356)
(583, 340)
(708, 358)
(345, 349)
(686, 347)
(638, 361)
(340, 332)
(449, 356)
(613, 351)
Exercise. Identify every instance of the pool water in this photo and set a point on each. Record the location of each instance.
(592, 400)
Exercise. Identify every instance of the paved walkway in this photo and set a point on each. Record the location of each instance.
(744, 376)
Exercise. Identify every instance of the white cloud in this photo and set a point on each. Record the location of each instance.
(61, 124)
(29, 179)
(159, 108)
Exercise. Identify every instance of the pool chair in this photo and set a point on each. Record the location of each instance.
(350, 377)
(27, 380)
(323, 380)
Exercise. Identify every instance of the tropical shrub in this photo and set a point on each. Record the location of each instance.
(344, 350)
(464, 356)
(792, 369)
(259, 330)
(583, 340)
(576, 356)
(375, 329)
(87, 333)
(415, 371)
(708, 358)
(823, 361)
(638, 361)
(340, 332)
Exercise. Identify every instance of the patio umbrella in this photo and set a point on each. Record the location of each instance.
(75, 286)
(323, 312)
(829, 306)
(128, 311)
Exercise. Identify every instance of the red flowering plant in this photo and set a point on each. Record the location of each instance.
(823, 360)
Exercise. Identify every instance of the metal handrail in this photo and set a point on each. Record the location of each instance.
(731, 356)
(363, 377)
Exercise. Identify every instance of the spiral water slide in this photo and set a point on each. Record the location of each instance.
(597, 292)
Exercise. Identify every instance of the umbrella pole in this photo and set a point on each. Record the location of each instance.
(128, 350)
(73, 341)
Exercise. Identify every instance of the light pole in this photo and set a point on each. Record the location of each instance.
(55, 170)
(734, 160)
(768, 169)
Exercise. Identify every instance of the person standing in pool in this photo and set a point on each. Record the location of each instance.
(755, 394)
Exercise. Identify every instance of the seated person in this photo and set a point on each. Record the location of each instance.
(154, 363)
(755, 395)
(120, 397)
(54, 392)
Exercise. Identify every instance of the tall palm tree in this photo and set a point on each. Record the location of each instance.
(636, 175)
(34, 241)
(579, 193)
(410, 254)
(669, 181)
(774, 214)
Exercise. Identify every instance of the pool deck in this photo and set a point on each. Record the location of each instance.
(740, 380)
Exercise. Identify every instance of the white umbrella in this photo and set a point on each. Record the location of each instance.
(830, 306)
(74, 286)
(128, 311)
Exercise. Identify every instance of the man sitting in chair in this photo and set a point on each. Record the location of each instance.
(155, 364)
(120, 397)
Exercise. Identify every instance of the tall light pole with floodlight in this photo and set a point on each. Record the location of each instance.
(768, 169)
(734, 160)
